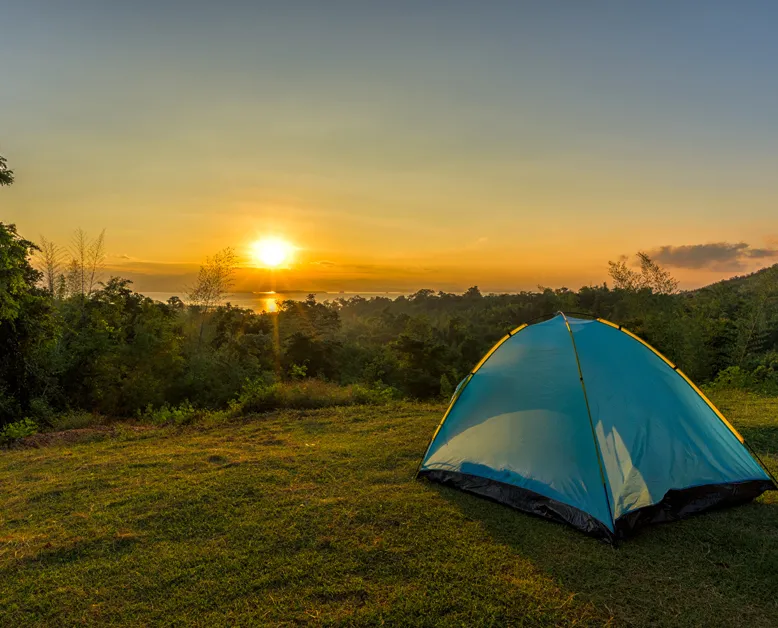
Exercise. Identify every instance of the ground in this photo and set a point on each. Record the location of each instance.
(314, 518)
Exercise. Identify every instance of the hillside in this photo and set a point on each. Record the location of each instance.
(312, 517)
(743, 282)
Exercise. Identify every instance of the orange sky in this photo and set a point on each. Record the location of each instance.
(397, 149)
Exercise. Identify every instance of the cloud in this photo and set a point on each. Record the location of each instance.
(713, 256)
(325, 263)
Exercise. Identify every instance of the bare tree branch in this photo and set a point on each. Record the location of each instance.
(213, 283)
(50, 264)
(87, 260)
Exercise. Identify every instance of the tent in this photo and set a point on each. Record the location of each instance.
(580, 421)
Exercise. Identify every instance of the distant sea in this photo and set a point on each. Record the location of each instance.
(265, 301)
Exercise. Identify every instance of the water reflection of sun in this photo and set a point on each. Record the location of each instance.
(269, 304)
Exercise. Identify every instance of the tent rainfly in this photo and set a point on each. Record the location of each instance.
(580, 421)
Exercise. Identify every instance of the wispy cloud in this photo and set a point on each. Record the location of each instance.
(714, 256)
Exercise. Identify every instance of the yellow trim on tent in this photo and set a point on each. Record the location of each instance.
(497, 346)
(448, 410)
(682, 374)
(455, 398)
(490, 352)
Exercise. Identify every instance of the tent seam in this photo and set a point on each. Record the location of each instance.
(595, 440)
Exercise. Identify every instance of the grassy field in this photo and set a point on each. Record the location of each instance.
(312, 517)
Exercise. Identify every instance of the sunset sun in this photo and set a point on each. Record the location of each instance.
(271, 252)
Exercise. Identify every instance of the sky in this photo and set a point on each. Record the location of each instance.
(397, 145)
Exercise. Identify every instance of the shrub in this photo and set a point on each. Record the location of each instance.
(259, 396)
(182, 414)
(763, 379)
(41, 411)
(298, 371)
(446, 389)
(732, 377)
(17, 430)
(74, 420)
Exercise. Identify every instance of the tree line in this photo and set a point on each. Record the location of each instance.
(71, 339)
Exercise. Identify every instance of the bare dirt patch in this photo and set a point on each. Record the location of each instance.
(47, 439)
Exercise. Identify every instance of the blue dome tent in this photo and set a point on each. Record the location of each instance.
(580, 421)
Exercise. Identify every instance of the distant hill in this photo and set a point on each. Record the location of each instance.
(747, 282)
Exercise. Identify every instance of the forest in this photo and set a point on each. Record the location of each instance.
(73, 343)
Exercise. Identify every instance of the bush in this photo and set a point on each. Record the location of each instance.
(259, 396)
(763, 379)
(74, 420)
(446, 389)
(183, 414)
(41, 411)
(732, 377)
(17, 430)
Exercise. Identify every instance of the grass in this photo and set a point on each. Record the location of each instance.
(311, 517)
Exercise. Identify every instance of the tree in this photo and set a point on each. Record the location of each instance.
(50, 264)
(6, 174)
(17, 275)
(86, 263)
(651, 276)
(656, 277)
(214, 281)
(26, 326)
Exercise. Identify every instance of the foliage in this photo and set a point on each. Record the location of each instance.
(18, 429)
(312, 517)
(762, 379)
(6, 174)
(214, 280)
(182, 414)
(72, 346)
(651, 276)
(74, 420)
(27, 329)
(18, 278)
(260, 396)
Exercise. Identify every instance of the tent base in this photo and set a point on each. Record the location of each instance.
(524, 500)
(675, 505)
(679, 504)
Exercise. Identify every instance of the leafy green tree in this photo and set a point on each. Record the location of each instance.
(26, 326)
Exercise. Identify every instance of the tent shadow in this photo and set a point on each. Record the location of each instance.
(664, 574)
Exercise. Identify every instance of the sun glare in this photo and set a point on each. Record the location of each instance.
(271, 252)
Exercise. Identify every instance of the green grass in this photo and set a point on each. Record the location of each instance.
(312, 517)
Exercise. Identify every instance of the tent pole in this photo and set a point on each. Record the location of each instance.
(591, 425)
